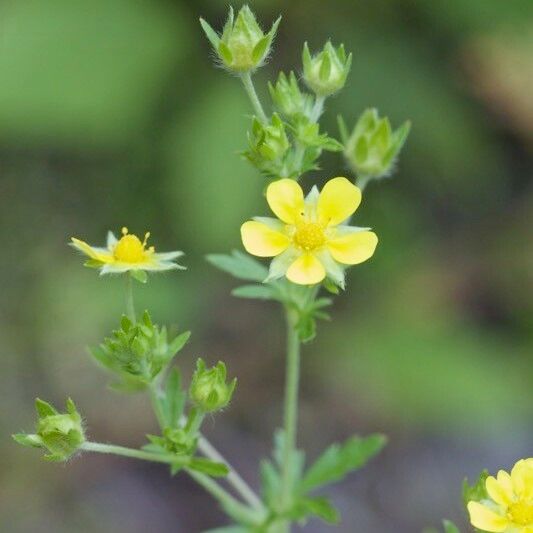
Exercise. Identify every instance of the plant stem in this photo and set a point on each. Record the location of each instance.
(250, 90)
(130, 306)
(130, 452)
(291, 408)
(233, 477)
(317, 108)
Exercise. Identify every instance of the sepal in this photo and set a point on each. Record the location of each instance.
(209, 390)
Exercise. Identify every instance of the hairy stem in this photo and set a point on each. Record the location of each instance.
(250, 90)
(131, 452)
(290, 407)
(130, 306)
(317, 108)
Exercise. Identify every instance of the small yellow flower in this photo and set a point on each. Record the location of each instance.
(510, 507)
(308, 240)
(127, 253)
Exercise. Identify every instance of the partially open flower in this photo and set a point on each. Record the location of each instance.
(128, 253)
(309, 239)
(509, 506)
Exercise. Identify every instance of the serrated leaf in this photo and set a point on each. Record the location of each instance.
(206, 466)
(239, 265)
(270, 482)
(339, 460)
(260, 292)
(477, 491)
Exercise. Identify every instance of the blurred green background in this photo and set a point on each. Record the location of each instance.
(112, 114)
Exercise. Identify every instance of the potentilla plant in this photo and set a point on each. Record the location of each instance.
(310, 241)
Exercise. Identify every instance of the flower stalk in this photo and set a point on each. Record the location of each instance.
(249, 87)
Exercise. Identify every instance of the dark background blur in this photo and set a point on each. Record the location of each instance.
(112, 114)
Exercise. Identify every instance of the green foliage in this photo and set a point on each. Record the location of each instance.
(339, 460)
(239, 265)
(209, 390)
(242, 47)
(477, 491)
(61, 434)
(326, 73)
(450, 527)
(138, 352)
(372, 148)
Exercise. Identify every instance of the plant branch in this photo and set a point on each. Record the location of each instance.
(130, 306)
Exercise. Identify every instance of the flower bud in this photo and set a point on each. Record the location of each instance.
(138, 352)
(326, 72)
(243, 46)
(60, 433)
(288, 98)
(372, 148)
(209, 390)
(270, 140)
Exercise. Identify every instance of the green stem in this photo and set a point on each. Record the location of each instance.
(250, 90)
(317, 108)
(130, 452)
(291, 408)
(130, 306)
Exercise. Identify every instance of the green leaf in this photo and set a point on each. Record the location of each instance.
(320, 507)
(338, 460)
(229, 529)
(239, 265)
(44, 408)
(270, 482)
(343, 130)
(261, 292)
(206, 466)
(476, 492)
(450, 527)
(179, 342)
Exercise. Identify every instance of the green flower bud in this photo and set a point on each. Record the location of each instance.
(269, 140)
(209, 390)
(326, 72)
(372, 148)
(242, 47)
(59, 433)
(288, 98)
(138, 352)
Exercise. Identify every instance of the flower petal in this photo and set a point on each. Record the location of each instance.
(483, 518)
(522, 478)
(286, 199)
(98, 254)
(338, 200)
(167, 256)
(262, 241)
(111, 240)
(353, 248)
(306, 270)
(498, 492)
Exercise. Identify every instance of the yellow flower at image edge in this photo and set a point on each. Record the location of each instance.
(308, 240)
(510, 507)
(127, 253)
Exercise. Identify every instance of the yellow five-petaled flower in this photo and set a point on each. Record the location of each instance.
(309, 239)
(127, 253)
(509, 508)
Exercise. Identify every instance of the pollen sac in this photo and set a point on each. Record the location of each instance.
(209, 390)
(242, 47)
(61, 434)
(138, 352)
(373, 148)
(326, 73)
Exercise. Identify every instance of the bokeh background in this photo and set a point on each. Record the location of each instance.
(112, 114)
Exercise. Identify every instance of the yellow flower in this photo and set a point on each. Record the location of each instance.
(308, 240)
(127, 253)
(509, 508)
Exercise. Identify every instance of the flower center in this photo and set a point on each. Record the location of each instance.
(521, 513)
(130, 249)
(309, 236)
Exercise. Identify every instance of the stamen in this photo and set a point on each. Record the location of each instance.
(146, 237)
(124, 230)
